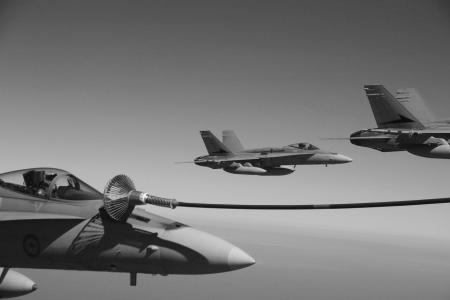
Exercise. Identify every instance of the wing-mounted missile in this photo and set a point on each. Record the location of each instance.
(14, 284)
(120, 196)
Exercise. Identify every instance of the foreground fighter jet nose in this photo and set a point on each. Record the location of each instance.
(185, 250)
(342, 159)
(238, 259)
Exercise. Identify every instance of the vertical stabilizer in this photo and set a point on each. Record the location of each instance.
(413, 102)
(230, 140)
(388, 111)
(212, 143)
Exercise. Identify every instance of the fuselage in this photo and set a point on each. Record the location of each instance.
(77, 235)
(404, 123)
(270, 160)
(431, 141)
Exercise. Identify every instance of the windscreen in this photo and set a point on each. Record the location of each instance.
(48, 184)
(304, 146)
(68, 187)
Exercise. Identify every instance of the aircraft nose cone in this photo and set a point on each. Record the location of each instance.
(186, 250)
(238, 259)
(342, 159)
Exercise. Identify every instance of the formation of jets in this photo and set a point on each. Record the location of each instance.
(404, 124)
(51, 219)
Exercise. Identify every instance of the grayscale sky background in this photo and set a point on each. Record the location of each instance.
(107, 87)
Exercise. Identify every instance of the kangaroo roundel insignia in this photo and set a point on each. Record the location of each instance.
(31, 245)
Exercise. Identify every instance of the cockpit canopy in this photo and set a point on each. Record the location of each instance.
(47, 183)
(304, 146)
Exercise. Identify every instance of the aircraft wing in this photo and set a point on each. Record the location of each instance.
(6, 216)
(275, 158)
(238, 159)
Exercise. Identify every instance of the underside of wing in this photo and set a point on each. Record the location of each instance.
(373, 138)
(381, 138)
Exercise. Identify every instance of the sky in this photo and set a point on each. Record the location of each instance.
(101, 88)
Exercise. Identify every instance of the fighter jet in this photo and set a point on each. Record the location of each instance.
(231, 156)
(404, 124)
(50, 219)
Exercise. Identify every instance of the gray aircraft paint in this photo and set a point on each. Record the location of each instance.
(411, 99)
(404, 124)
(230, 139)
(231, 156)
(108, 87)
(69, 228)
